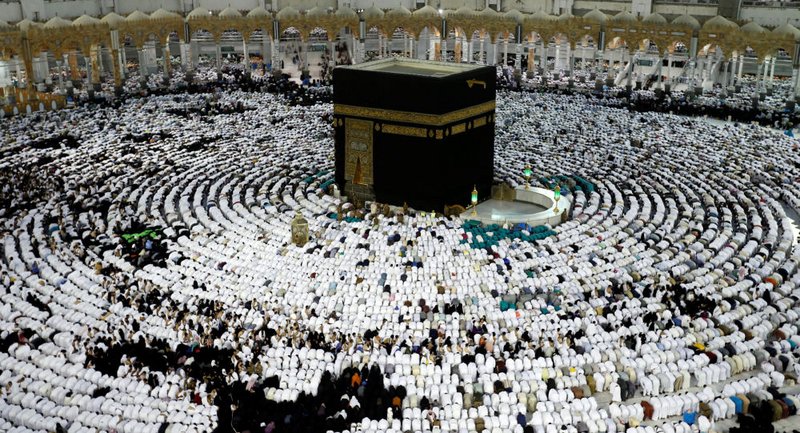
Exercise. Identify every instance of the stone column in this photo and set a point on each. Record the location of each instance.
(558, 56)
(123, 64)
(629, 78)
(116, 66)
(483, 50)
(601, 45)
(99, 58)
(75, 73)
(63, 73)
(18, 71)
(722, 76)
(531, 61)
(543, 57)
(87, 60)
(275, 52)
(505, 51)
(765, 78)
(194, 52)
(167, 60)
(43, 59)
(699, 68)
(60, 76)
(218, 49)
(95, 64)
(245, 56)
(362, 50)
(797, 87)
(518, 57)
(27, 59)
(569, 57)
(306, 68)
(741, 67)
(264, 47)
(186, 56)
(142, 67)
(772, 69)
(331, 53)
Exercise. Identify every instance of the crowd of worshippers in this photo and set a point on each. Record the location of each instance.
(143, 246)
(22, 185)
(207, 77)
(667, 301)
(736, 107)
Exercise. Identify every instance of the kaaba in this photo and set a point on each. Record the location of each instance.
(413, 131)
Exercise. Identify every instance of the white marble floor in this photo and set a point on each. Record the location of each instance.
(314, 58)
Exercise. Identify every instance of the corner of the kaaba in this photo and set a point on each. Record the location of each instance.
(425, 140)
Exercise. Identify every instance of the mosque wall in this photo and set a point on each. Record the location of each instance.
(380, 4)
(127, 6)
(701, 12)
(641, 8)
(561, 6)
(613, 7)
(771, 16)
(33, 8)
(16, 11)
(529, 6)
(10, 12)
(74, 8)
(303, 5)
(455, 4)
(42, 10)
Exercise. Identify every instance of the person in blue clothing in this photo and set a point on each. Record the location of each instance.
(521, 419)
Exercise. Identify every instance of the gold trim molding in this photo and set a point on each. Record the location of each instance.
(409, 131)
(413, 131)
(412, 117)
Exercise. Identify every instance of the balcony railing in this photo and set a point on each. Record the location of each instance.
(772, 3)
(688, 2)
